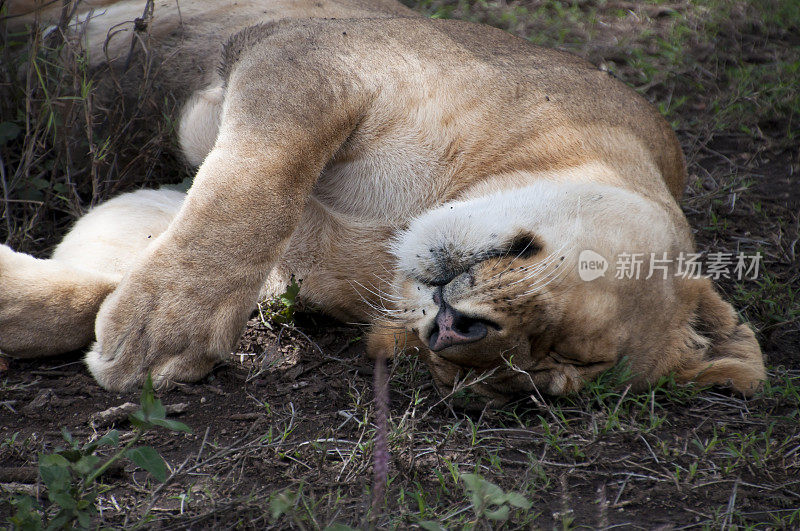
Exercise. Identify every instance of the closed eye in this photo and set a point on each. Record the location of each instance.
(523, 245)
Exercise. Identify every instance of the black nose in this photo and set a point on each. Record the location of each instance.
(452, 327)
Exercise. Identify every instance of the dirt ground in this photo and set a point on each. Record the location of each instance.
(293, 411)
(283, 433)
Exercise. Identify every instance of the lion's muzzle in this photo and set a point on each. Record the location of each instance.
(452, 327)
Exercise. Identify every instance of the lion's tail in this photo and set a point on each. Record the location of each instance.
(199, 124)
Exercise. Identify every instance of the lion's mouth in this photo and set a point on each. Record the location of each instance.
(452, 327)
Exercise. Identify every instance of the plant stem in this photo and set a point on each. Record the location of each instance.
(97, 473)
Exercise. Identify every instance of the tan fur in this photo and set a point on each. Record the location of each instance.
(321, 140)
(47, 307)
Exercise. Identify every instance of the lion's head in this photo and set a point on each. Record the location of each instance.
(491, 284)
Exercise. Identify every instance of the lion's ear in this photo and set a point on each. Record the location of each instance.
(720, 350)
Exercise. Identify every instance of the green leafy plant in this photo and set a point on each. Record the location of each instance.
(490, 501)
(281, 309)
(71, 473)
(289, 299)
(283, 502)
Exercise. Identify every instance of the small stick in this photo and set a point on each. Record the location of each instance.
(381, 450)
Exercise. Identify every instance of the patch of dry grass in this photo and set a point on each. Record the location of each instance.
(63, 148)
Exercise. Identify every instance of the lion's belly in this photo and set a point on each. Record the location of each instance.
(341, 248)
(390, 184)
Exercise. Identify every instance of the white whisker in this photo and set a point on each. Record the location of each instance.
(538, 287)
(381, 310)
(380, 298)
(541, 266)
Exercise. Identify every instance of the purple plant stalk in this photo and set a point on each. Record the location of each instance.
(381, 449)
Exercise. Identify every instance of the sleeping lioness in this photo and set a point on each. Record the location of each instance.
(435, 178)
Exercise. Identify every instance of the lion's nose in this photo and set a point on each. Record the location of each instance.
(452, 327)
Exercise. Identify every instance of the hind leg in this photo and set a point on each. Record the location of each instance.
(48, 307)
(111, 236)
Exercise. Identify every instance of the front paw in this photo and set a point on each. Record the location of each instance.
(175, 330)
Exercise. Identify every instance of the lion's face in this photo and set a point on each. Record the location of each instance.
(491, 285)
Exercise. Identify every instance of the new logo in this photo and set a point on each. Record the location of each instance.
(591, 265)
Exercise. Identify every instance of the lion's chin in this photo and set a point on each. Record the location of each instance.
(486, 366)
(495, 349)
